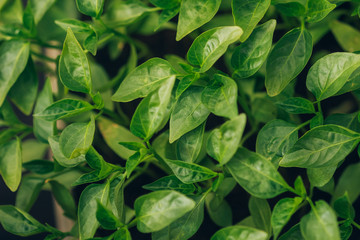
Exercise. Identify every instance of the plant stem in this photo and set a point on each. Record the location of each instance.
(319, 107)
(43, 57)
(46, 45)
(356, 225)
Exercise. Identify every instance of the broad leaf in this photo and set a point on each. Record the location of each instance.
(293, 234)
(10, 163)
(59, 155)
(220, 97)
(261, 214)
(256, 174)
(170, 183)
(320, 223)
(194, 14)
(185, 83)
(343, 208)
(28, 192)
(189, 112)
(188, 147)
(318, 10)
(293, 8)
(92, 8)
(287, 59)
(143, 80)
(14, 55)
(247, 14)
(64, 198)
(106, 218)
(223, 142)
(330, 73)
(320, 147)
(74, 68)
(318, 177)
(211, 45)
(156, 210)
(249, 56)
(297, 105)
(219, 210)
(239, 233)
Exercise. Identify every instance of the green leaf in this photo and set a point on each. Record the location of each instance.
(347, 36)
(29, 21)
(144, 79)
(92, 8)
(74, 68)
(134, 146)
(287, 59)
(261, 214)
(320, 223)
(28, 192)
(122, 234)
(343, 208)
(156, 210)
(352, 83)
(282, 213)
(23, 92)
(293, 8)
(166, 3)
(88, 207)
(345, 231)
(194, 14)
(10, 163)
(14, 55)
(247, 14)
(219, 210)
(318, 10)
(190, 172)
(39, 8)
(76, 26)
(275, 139)
(256, 175)
(39, 166)
(330, 73)
(223, 142)
(211, 45)
(186, 226)
(166, 15)
(239, 233)
(64, 108)
(220, 97)
(134, 161)
(64, 198)
(249, 56)
(317, 120)
(348, 183)
(188, 147)
(170, 183)
(60, 157)
(114, 133)
(151, 111)
(19, 222)
(189, 112)
(185, 83)
(91, 42)
(77, 138)
(293, 234)
(297, 105)
(318, 177)
(43, 129)
(320, 147)
(106, 218)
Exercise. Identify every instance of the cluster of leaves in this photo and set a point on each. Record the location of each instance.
(251, 90)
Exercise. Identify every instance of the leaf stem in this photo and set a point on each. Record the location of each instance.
(355, 225)
(46, 45)
(43, 57)
(132, 223)
(319, 107)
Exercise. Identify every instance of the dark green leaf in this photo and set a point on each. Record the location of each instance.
(166, 3)
(39, 166)
(261, 214)
(188, 147)
(122, 234)
(106, 218)
(219, 210)
(348, 183)
(293, 234)
(10, 163)
(347, 36)
(294, 8)
(297, 105)
(166, 15)
(239, 233)
(28, 192)
(318, 10)
(64, 198)
(92, 8)
(345, 231)
(317, 120)
(91, 43)
(134, 146)
(318, 177)
(170, 183)
(185, 83)
(343, 207)
(134, 161)
(76, 26)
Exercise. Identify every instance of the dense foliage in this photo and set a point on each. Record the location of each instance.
(263, 108)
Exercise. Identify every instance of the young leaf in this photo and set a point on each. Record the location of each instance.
(39, 166)
(282, 213)
(106, 218)
(256, 174)
(293, 234)
(76, 26)
(220, 97)
(143, 80)
(194, 14)
(330, 73)
(14, 55)
(170, 183)
(28, 192)
(185, 83)
(122, 234)
(19, 222)
(134, 161)
(92, 8)
(293, 8)
(156, 210)
(239, 233)
(74, 68)
(77, 138)
(188, 147)
(190, 172)
(297, 105)
(261, 214)
(209, 46)
(287, 59)
(219, 210)
(318, 10)
(320, 147)
(249, 56)
(223, 142)
(247, 14)
(88, 206)
(64, 198)
(343, 208)
(10, 163)
(64, 108)
(189, 112)
(152, 111)
(320, 223)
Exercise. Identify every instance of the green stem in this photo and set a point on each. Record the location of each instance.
(132, 223)
(248, 135)
(123, 120)
(46, 45)
(319, 107)
(138, 174)
(43, 57)
(356, 225)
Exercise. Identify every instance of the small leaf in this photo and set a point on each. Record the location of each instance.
(122, 234)
(293, 234)
(156, 210)
(261, 214)
(39, 166)
(247, 14)
(194, 14)
(209, 46)
(239, 233)
(190, 172)
(166, 3)
(76, 26)
(348, 184)
(92, 8)
(143, 80)
(170, 183)
(223, 142)
(188, 147)
(28, 192)
(219, 210)
(64, 198)
(318, 177)
(343, 208)
(106, 218)
(287, 59)
(185, 83)
(297, 105)
(134, 146)
(10, 163)
(347, 36)
(74, 68)
(318, 10)
(134, 161)
(320, 223)
(220, 97)
(256, 175)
